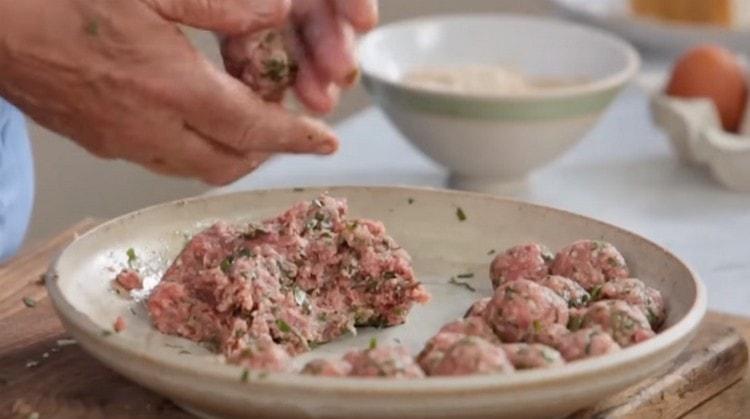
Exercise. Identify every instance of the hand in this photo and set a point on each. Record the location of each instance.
(120, 79)
(323, 38)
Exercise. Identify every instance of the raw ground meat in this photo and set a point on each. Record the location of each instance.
(128, 280)
(301, 279)
(529, 261)
(456, 354)
(521, 309)
(585, 343)
(119, 324)
(530, 356)
(569, 290)
(383, 361)
(626, 324)
(634, 292)
(471, 326)
(327, 368)
(590, 263)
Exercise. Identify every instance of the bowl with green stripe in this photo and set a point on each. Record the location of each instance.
(492, 139)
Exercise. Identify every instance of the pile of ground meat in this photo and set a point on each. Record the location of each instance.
(261, 293)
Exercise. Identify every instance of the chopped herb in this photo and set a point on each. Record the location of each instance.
(397, 340)
(283, 326)
(596, 292)
(298, 190)
(262, 375)
(132, 257)
(389, 275)
(460, 214)
(245, 376)
(587, 349)
(466, 275)
(651, 316)
(410, 201)
(184, 352)
(226, 264)
(92, 28)
(613, 262)
(276, 69)
(245, 253)
(575, 323)
(132, 311)
(491, 252)
(106, 333)
(584, 299)
(29, 302)
(538, 328)
(462, 284)
(373, 343)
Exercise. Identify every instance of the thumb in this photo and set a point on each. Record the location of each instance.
(227, 16)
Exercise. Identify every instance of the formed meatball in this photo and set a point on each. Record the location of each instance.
(521, 309)
(383, 361)
(584, 343)
(590, 263)
(568, 289)
(455, 354)
(637, 294)
(625, 323)
(478, 307)
(471, 326)
(327, 368)
(529, 261)
(525, 356)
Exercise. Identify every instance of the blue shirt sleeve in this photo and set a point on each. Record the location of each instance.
(16, 180)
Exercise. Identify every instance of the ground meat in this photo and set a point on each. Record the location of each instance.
(521, 309)
(529, 356)
(383, 361)
(637, 294)
(327, 368)
(478, 308)
(261, 354)
(471, 326)
(590, 263)
(119, 324)
(128, 280)
(584, 343)
(305, 277)
(568, 289)
(625, 323)
(457, 354)
(529, 261)
(262, 60)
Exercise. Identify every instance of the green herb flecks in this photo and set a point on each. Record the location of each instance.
(373, 343)
(491, 252)
(575, 323)
(651, 316)
(276, 70)
(106, 333)
(29, 302)
(465, 275)
(283, 326)
(596, 292)
(132, 257)
(460, 214)
(92, 28)
(410, 201)
(538, 328)
(454, 281)
(245, 377)
(226, 264)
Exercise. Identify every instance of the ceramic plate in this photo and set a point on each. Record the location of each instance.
(425, 222)
(656, 36)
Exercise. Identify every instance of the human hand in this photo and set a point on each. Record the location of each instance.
(119, 78)
(321, 34)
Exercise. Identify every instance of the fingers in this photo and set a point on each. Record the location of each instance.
(316, 93)
(224, 110)
(329, 41)
(361, 14)
(227, 16)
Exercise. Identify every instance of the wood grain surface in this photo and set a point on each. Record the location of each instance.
(41, 372)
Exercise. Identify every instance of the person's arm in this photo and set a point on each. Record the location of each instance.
(120, 79)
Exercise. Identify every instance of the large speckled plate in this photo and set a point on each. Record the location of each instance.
(425, 222)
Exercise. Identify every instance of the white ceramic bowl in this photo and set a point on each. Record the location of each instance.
(425, 223)
(490, 141)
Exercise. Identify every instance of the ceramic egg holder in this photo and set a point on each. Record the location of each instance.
(694, 128)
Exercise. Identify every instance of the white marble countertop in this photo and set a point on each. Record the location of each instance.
(623, 172)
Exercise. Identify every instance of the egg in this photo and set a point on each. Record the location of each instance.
(712, 72)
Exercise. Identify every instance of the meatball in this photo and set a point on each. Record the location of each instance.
(455, 354)
(525, 356)
(471, 326)
(584, 343)
(327, 368)
(590, 263)
(568, 289)
(521, 309)
(529, 261)
(383, 361)
(262, 354)
(625, 323)
(478, 307)
(637, 294)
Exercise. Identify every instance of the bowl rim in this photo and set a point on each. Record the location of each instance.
(610, 82)
(125, 348)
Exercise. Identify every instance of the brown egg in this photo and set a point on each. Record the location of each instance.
(712, 72)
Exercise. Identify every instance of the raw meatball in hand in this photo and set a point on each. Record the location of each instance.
(521, 309)
(590, 263)
(625, 323)
(568, 289)
(455, 354)
(637, 294)
(529, 261)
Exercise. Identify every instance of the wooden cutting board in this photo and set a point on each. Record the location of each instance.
(42, 372)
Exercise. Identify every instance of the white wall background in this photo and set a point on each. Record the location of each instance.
(72, 184)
